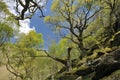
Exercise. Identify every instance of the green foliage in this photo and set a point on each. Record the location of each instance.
(6, 32)
(31, 40)
(59, 49)
(63, 45)
(90, 41)
(47, 18)
(63, 7)
(55, 5)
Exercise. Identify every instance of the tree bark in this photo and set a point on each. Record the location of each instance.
(82, 49)
(69, 63)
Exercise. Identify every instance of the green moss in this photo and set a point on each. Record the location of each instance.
(83, 67)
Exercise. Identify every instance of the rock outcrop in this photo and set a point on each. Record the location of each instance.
(99, 68)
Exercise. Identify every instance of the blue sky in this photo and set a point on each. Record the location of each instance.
(44, 28)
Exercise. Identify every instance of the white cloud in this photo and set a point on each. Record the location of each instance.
(25, 24)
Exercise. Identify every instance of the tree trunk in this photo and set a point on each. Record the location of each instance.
(69, 63)
(82, 49)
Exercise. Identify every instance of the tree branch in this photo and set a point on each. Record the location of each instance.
(29, 5)
(64, 62)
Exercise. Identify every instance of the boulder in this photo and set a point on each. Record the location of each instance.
(107, 65)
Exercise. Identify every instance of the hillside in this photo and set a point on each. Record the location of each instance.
(4, 74)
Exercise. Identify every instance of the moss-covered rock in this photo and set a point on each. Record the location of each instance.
(98, 69)
(114, 76)
(115, 41)
(107, 65)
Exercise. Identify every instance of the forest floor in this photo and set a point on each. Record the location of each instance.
(4, 74)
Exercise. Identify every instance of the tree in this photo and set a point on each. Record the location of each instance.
(21, 55)
(6, 31)
(62, 53)
(74, 16)
(109, 20)
(7, 24)
(29, 8)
